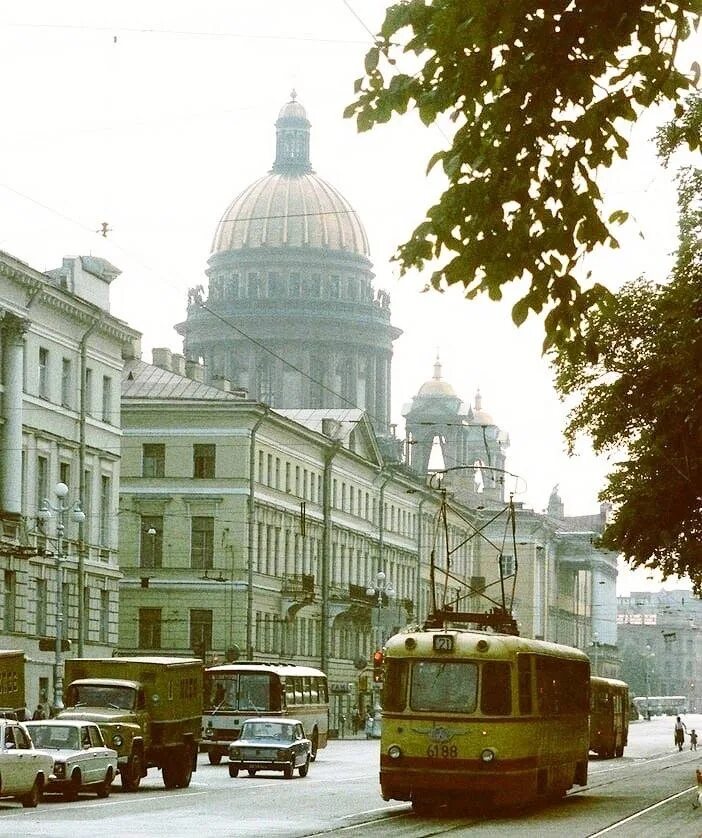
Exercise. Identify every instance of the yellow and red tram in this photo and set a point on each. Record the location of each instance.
(474, 717)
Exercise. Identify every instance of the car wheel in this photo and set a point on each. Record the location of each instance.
(72, 789)
(215, 757)
(252, 772)
(288, 770)
(304, 768)
(233, 770)
(104, 788)
(30, 800)
(131, 774)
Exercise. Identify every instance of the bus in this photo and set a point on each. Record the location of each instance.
(661, 705)
(475, 717)
(609, 717)
(238, 691)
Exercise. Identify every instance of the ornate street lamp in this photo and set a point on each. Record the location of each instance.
(381, 588)
(78, 517)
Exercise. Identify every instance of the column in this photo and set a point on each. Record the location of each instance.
(11, 445)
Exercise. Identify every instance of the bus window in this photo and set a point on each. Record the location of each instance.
(395, 686)
(290, 691)
(254, 692)
(314, 693)
(297, 683)
(524, 675)
(448, 686)
(306, 690)
(323, 691)
(496, 688)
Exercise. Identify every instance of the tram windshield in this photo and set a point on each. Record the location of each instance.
(441, 685)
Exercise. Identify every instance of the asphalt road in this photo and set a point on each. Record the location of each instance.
(648, 792)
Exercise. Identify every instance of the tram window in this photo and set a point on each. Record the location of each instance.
(289, 692)
(524, 675)
(496, 689)
(395, 686)
(442, 685)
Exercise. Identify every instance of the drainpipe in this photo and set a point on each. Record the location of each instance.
(326, 555)
(81, 482)
(250, 546)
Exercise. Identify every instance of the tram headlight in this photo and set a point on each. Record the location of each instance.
(394, 752)
(487, 755)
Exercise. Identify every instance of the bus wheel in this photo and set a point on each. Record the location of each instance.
(215, 757)
(315, 745)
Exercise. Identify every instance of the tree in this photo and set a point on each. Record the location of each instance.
(541, 93)
(643, 395)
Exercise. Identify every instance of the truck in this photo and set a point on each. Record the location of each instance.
(148, 708)
(12, 701)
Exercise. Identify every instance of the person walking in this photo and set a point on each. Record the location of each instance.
(680, 730)
(369, 725)
(693, 739)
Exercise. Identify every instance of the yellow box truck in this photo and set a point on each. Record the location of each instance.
(148, 708)
(12, 701)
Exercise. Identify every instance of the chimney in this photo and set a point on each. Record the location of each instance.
(195, 371)
(161, 358)
(178, 364)
(331, 427)
(222, 383)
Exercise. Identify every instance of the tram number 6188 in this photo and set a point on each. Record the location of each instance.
(442, 751)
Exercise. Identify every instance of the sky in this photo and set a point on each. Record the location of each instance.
(150, 116)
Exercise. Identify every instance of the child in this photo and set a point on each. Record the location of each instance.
(693, 740)
(698, 796)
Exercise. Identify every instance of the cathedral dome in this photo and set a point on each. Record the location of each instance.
(291, 206)
(436, 386)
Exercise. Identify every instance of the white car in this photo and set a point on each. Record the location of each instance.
(80, 759)
(24, 771)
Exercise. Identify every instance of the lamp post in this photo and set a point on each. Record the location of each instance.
(78, 517)
(381, 588)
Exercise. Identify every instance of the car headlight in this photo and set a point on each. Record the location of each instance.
(60, 769)
(394, 752)
(487, 755)
(234, 753)
(117, 740)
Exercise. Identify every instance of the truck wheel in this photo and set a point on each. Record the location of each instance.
(215, 757)
(131, 773)
(32, 798)
(170, 774)
(184, 774)
(104, 788)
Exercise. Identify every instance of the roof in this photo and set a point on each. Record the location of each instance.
(145, 381)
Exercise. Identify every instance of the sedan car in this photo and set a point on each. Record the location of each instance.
(24, 770)
(80, 759)
(270, 744)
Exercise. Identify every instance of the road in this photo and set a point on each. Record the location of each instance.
(648, 792)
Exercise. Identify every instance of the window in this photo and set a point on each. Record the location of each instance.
(41, 605)
(65, 473)
(200, 631)
(105, 509)
(66, 380)
(42, 480)
(104, 616)
(107, 399)
(444, 686)
(151, 546)
(496, 689)
(201, 542)
(203, 461)
(149, 628)
(153, 460)
(43, 372)
(88, 390)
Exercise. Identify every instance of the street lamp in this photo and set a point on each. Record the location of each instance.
(381, 588)
(78, 517)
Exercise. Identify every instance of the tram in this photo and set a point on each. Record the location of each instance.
(609, 716)
(471, 716)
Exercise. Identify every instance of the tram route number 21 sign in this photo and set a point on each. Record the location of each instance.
(443, 642)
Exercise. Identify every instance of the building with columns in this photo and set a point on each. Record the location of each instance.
(290, 315)
(61, 361)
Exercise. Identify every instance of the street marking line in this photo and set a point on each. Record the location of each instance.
(642, 812)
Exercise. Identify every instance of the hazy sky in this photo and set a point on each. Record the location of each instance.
(151, 115)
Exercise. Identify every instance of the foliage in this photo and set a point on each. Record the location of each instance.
(541, 93)
(643, 396)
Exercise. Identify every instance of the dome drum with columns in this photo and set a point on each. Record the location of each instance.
(290, 268)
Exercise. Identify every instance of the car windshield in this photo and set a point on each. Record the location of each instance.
(267, 730)
(54, 736)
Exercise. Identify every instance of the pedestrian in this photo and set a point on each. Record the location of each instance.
(680, 730)
(693, 740)
(43, 710)
(369, 725)
(342, 725)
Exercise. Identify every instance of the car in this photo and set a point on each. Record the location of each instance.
(270, 744)
(80, 759)
(24, 770)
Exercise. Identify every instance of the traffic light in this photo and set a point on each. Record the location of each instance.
(378, 667)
